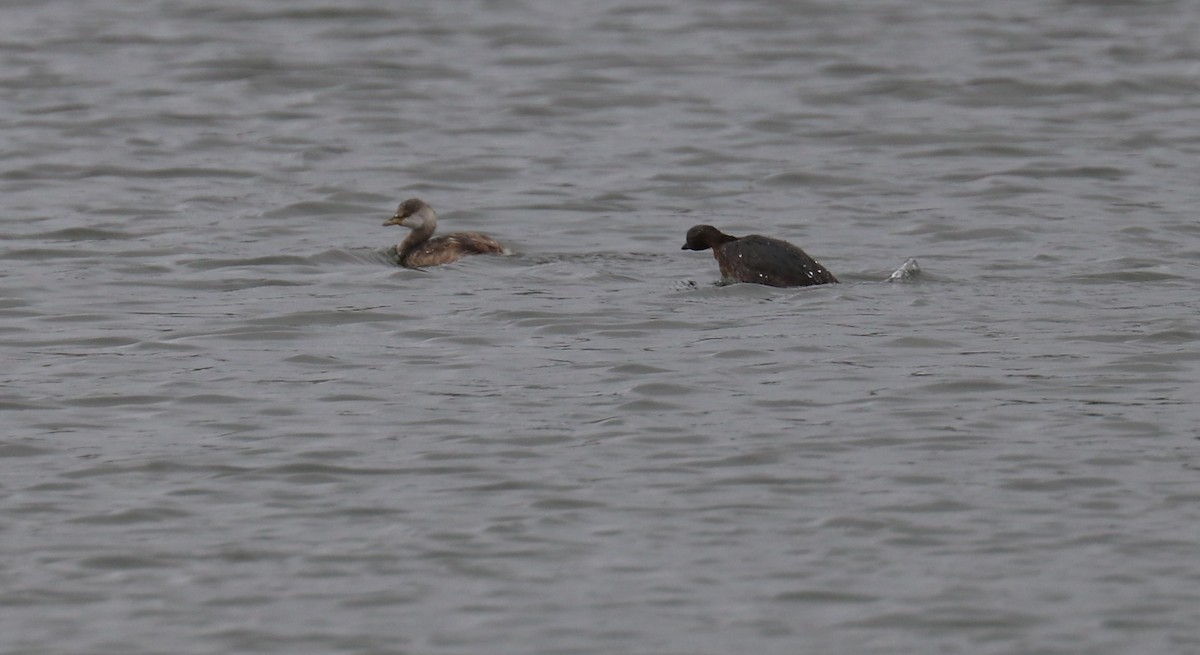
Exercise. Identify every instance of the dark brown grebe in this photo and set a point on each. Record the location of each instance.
(420, 248)
(758, 259)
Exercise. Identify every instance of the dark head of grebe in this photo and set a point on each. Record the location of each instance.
(703, 237)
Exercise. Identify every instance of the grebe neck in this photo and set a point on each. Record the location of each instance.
(420, 234)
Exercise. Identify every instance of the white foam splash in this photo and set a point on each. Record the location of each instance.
(907, 271)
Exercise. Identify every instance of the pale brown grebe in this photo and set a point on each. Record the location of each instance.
(420, 248)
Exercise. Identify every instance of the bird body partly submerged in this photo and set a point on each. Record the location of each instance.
(758, 259)
(420, 248)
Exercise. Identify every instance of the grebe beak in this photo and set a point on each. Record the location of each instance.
(395, 220)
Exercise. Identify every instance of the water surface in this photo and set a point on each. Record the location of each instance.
(231, 424)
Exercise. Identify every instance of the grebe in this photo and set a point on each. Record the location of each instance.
(420, 248)
(758, 259)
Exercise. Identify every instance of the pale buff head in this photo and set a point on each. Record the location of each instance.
(413, 214)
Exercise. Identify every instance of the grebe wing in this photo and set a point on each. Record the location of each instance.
(777, 262)
(476, 243)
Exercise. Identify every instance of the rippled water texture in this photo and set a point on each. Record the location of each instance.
(231, 424)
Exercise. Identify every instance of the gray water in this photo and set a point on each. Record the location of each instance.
(230, 424)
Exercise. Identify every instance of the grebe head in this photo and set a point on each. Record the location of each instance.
(703, 237)
(413, 214)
